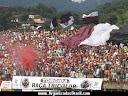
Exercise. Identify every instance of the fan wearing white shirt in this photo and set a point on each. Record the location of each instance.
(14, 72)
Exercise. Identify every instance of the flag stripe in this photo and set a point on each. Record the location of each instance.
(81, 35)
(100, 35)
(90, 18)
(51, 26)
(68, 23)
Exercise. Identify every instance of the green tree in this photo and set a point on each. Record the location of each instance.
(46, 25)
(23, 17)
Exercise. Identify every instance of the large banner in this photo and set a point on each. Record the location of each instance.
(23, 82)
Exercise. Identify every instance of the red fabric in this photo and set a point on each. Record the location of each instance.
(106, 71)
(69, 63)
(97, 48)
(1, 65)
(26, 42)
(74, 57)
(55, 74)
(82, 34)
(62, 31)
(48, 60)
(75, 60)
(24, 73)
(110, 53)
(92, 64)
(0, 83)
(48, 70)
(62, 65)
(90, 18)
(79, 55)
(86, 54)
(120, 53)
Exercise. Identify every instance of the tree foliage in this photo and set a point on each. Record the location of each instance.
(113, 13)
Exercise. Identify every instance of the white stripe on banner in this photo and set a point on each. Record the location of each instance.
(93, 14)
(28, 83)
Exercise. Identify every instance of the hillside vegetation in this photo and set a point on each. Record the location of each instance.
(113, 13)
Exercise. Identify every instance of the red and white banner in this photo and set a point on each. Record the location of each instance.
(0, 85)
(28, 83)
(100, 35)
(6, 85)
(92, 17)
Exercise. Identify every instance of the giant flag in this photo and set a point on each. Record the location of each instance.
(66, 20)
(91, 18)
(100, 35)
(82, 34)
(53, 24)
(120, 35)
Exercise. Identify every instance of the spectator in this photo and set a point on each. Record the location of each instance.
(108, 61)
(127, 76)
(72, 74)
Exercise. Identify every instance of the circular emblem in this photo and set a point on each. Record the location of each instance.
(85, 84)
(25, 82)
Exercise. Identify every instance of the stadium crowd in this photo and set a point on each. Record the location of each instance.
(108, 61)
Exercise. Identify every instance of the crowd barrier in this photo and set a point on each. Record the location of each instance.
(24, 84)
(42, 83)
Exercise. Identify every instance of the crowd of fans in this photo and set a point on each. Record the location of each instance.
(56, 60)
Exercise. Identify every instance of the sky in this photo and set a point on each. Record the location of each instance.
(79, 1)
